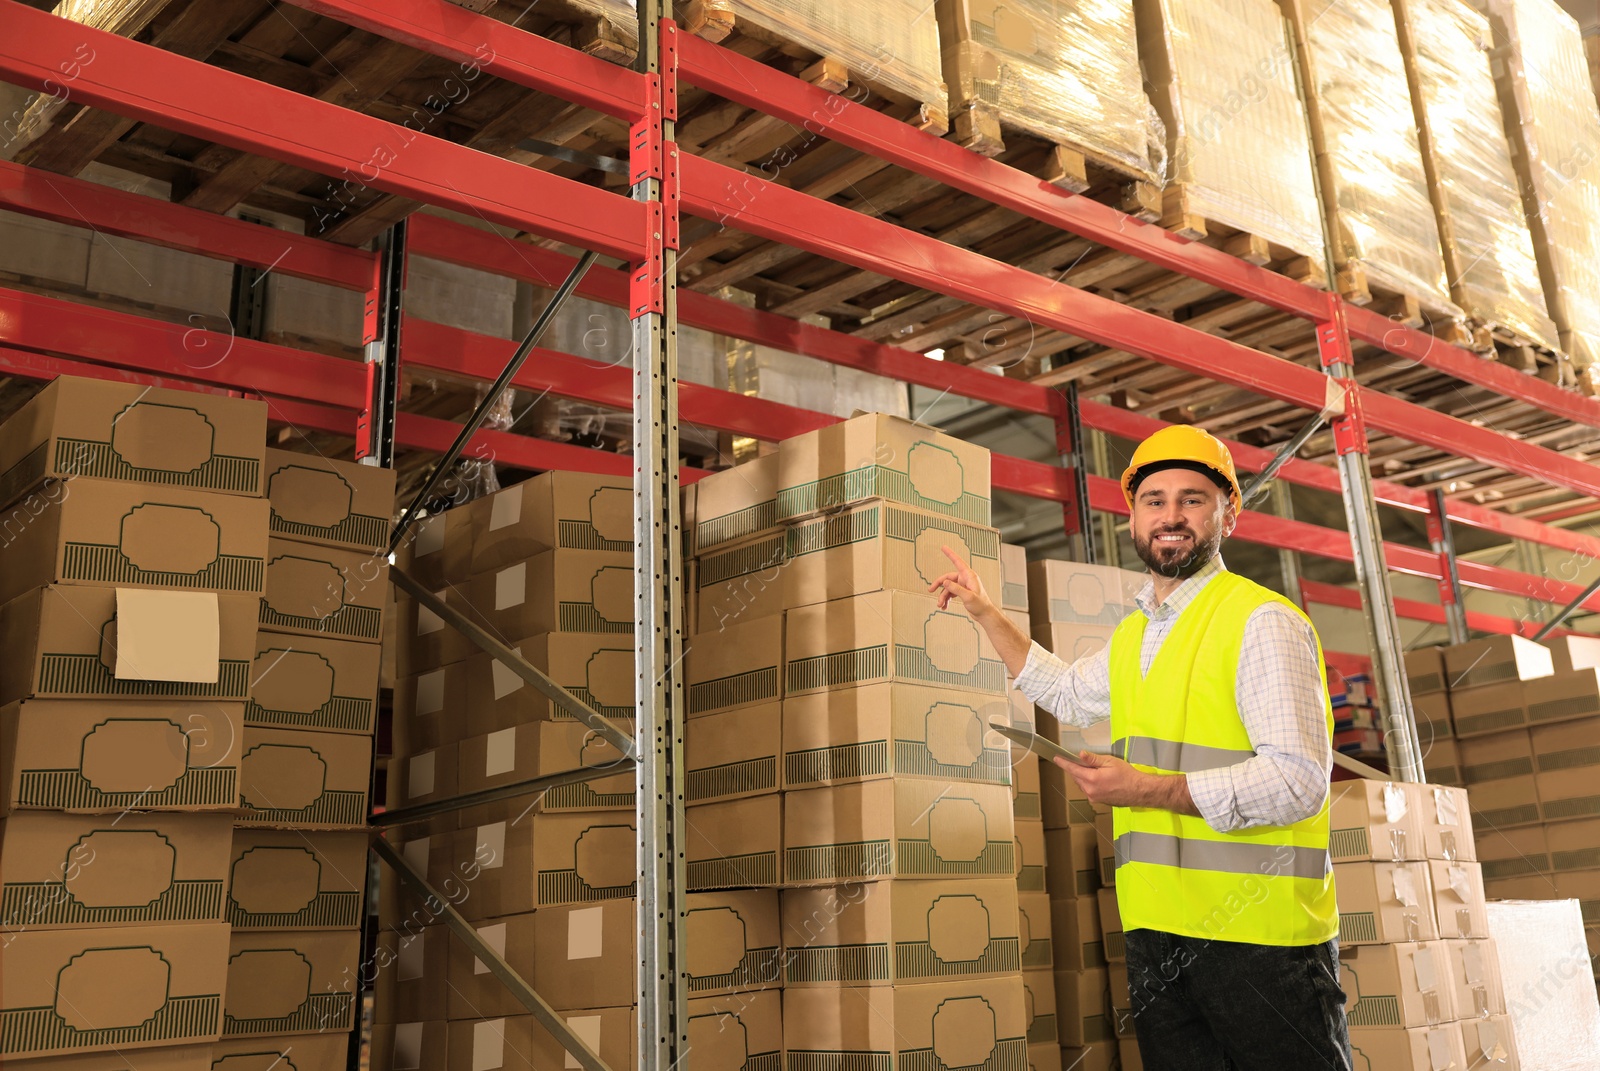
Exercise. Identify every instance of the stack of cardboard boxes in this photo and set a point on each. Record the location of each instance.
(1357, 721)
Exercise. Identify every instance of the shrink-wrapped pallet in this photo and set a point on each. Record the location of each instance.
(1484, 233)
(1554, 126)
(1222, 78)
(1369, 162)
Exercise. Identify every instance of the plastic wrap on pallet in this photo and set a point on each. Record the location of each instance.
(1382, 213)
(1544, 968)
(1067, 72)
(1222, 76)
(1554, 125)
(1494, 276)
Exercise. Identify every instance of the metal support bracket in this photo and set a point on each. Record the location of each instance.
(1072, 448)
(531, 787)
(1567, 611)
(1443, 542)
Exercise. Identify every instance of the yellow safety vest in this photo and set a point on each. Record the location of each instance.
(1270, 885)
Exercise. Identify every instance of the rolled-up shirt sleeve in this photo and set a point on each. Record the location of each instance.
(1280, 694)
(1077, 693)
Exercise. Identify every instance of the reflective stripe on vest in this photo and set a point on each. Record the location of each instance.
(1234, 857)
(1175, 755)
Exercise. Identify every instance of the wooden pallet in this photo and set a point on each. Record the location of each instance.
(1180, 216)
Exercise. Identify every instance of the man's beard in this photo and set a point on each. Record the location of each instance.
(1177, 563)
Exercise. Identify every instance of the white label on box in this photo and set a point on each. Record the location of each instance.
(501, 753)
(510, 586)
(430, 536)
(416, 853)
(495, 937)
(411, 958)
(1427, 970)
(492, 845)
(488, 1044)
(1405, 886)
(1394, 803)
(1447, 806)
(430, 692)
(505, 509)
(505, 679)
(585, 933)
(407, 1047)
(587, 1027)
(1439, 1049)
(428, 622)
(1461, 883)
(1472, 962)
(419, 775)
(1489, 1042)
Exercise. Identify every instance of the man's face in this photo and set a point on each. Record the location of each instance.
(1180, 519)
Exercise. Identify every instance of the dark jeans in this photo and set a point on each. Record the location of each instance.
(1204, 1005)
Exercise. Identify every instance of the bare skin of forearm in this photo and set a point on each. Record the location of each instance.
(1010, 642)
(1108, 780)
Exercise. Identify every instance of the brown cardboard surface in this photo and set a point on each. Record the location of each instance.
(1374, 820)
(1104, 832)
(557, 591)
(437, 549)
(1432, 712)
(1082, 1007)
(1404, 985)
(1563, 697)
(1047, 1056)
(739, 582)
(123, 431)
(59, 870)
(1498, 658)
(463, 867)
(741, 1032)
(82, 755)
(1033, 931)
(1111, 926)
(738, 666)
(324, 591)
(423, 641)
(1101, 1056)
(1013, 591)
(314, 683)
(952, 1024)
(287, 777)
(1416, 1049)
(526, 860)
(295, 1052)
(1121, 1001)
(893, 730)
(578, 956)
(735, 504)
(518, 1042)
(1025, 783)
(196, 1057)
(1511, 853)
(1076, 933)
(61, 642)
(1072, 642)
(733, 942)
(320, 500)
(732, 754)
(1568, 653)
(880, 546)
(167, 636)
(1503, 804)
(573, 510)
(413, 1046)
(1030, 855)
(1039, 1008)
(878, 456)
(1496, 756)
(1474, 973)
(291, 982)
(1574, 845)
(1489, 1042)
(1566, 746)
(431, 709)
(411, 973)
(424, 777)
(1384, 903)
(1446, 818)
(887, 636)
(123, 987)
(597, 668)
(1074, 593)
(1569, 793)
(296, 880)
(904, 829)
(737, 844)
(1073, 860)
(105, 533)
(537, 749)
(900, 932)
(1425, 671)
(1488, 708)
(1529, 887)
(1442, 760)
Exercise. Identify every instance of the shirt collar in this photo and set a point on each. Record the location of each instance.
(1185, 593)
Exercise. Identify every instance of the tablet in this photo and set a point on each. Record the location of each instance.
(1046, 749)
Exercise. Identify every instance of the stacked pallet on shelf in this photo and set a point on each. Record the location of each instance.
(1241, 168)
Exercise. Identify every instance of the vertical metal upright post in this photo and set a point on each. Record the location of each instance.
(1443, 542)
(1288, 560)
(1366, 540)
(1106, 544)
(1078, 517)
(658, 582)
(381, 350)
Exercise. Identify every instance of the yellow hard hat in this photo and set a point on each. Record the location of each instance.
(1183, 446)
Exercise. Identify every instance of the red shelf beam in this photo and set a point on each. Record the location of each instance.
(1314, 591)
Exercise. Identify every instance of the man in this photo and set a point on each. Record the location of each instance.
(1222, 735)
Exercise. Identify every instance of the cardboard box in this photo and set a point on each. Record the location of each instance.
(1425, 671)
(1047, 1056)
(1496, 757)
(61, 870)
(1416, 1049)
(411, 968)
(519, 1041)
(1403, 985)
(291, 982)
(1584, 887)
(1013, 590)
(1488, 708)
(1072, 642)
(977, 1022)
(1384, 903)
(1061, 801)
(196, 1057)
(893, 730)
(331, 503)
(1075, 930)
(1502, 804)
(737, 844)
(1574, 845)
(422, 639)
(413, 1046)
(1490, 1042)
(1033, 930)
(596, 668)
(130, 535)
(901, 829)
(887, 636)
(1566, 746)
(1444, 812)
(1101, 1056)
(1030, 855)
(76, 755)
(1374, 820)
(296, 880)
(436, 550)
(881, 546)
(1532, 887)
(1116, 947)
(314, 683)
(124, 431)
(112, 987)
(733, 942)
(1432, 712)
(1443, 761)
(878, 456)
(1568, 653)
(1105, 844)
(1496, 659)
(1563, 697)
(732, 754)
(539, 749)
(1082, 1008)
(1073, 859)
(1026, 806)
(1121, 995)
(740, 666)
(739, 582)
(741, 1032)
(424, 777)
(557, 591)
(1569, 793)
(1511, 853)
(900, 932)
(61, 642)
(1474, 973)
(301, 1052)
(1039, 1008)
(523, 860)
(431, 709)
(324, 591)
(577, 956)
(1075, 593)
(553, 510)
(735, 504)
(295, 778)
